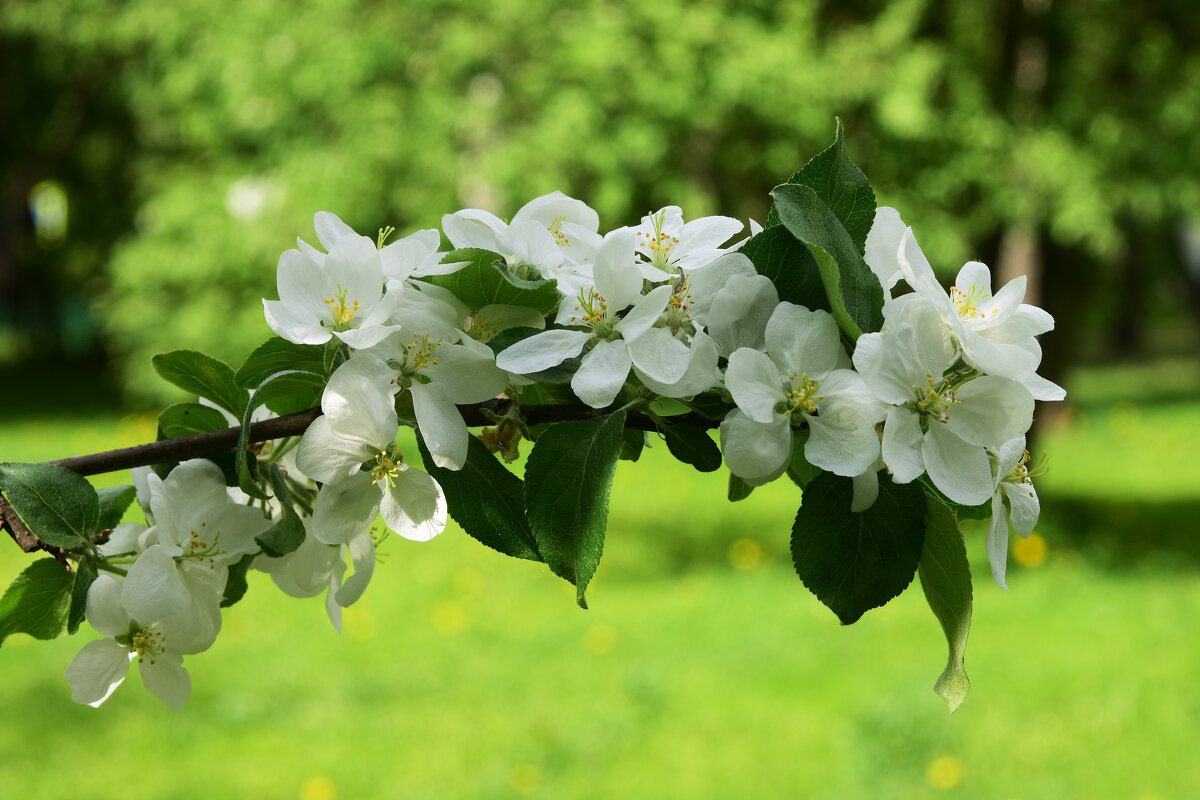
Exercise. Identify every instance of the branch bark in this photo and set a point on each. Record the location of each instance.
(207, 444)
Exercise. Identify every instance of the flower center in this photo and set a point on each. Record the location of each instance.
(658, 245)
(388, 466)
(934, 399)
(555, 228)
(802, 396)
(967, 303)
(199, 548)
(148, 643)
(342, 310)
(479, 328)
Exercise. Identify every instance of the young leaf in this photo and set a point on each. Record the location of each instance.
(286, 535)
(693, 446)
(567, 481)
(235, 585)
(856, 561)
(202, 375)
(854, 292)
(946, 581)
(738, 489)
(188, 419)
(842, 186)
(485, 499)
(37, 602)
(483, 283)
(58, 506)
(113, 502)
(790, 265)
(85, 574)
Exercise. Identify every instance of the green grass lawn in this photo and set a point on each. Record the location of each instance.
(703, 669)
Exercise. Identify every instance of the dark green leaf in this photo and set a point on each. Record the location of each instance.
(482, 283)
(37, 602)
(842, 186)
(738, 489)
(235, 586)
(58, 506)
(85, 575)
(188, 419)
(279, 355)
(485, 499)
(856, 561)
(568, 478)
(946, 581)
(202, 375)
(790, 265)
(552, 394)
(855, 295)
(693, 446)
(633, 442)
(113, 502)
(712, 405)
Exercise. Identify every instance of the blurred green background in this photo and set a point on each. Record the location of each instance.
(157, 158)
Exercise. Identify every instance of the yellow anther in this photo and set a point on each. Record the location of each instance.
(342, 310)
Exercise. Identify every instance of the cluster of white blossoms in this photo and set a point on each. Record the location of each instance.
(669, 308)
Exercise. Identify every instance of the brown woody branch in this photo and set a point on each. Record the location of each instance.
(207, 444)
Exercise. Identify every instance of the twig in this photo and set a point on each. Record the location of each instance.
(207, 444)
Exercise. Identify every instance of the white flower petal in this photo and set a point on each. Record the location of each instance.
(345, 509)
(660, 355)
(326, 457)
(154, 588)
(756, 452)
(542, 351)
(166, 679)
(362, 556)
(753, 380)
(1024, 505)
(960, 470)
(415, 507)
(997, 541)
(97, 670)
(104, 609)
(902, 443)
(441, 425)
(866, 490)
(602, 373)
(802, 341)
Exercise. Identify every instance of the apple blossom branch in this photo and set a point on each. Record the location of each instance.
(205, 444)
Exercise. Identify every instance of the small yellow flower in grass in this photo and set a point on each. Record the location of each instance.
(525, 778)
(945, 772)
(449, 618)
(318, 788)
(745, 554)
(1030, 552)
(600, 639)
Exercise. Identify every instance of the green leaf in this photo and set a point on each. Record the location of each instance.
(280, 384)
(286, 535)
(738, 489)
(483, 283)
(842, 186)
(202, 375)
(856, 561)
(189, 419)
(633, 441)
(235, 585)
(37, 602)
(790, 265)
(693, 446)
(946, 581)
(568, 478)
(485, 499)
(113, 502)
(855, 295)
(58, 506)
(799, 470)
(279, 355)
(85, 575)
